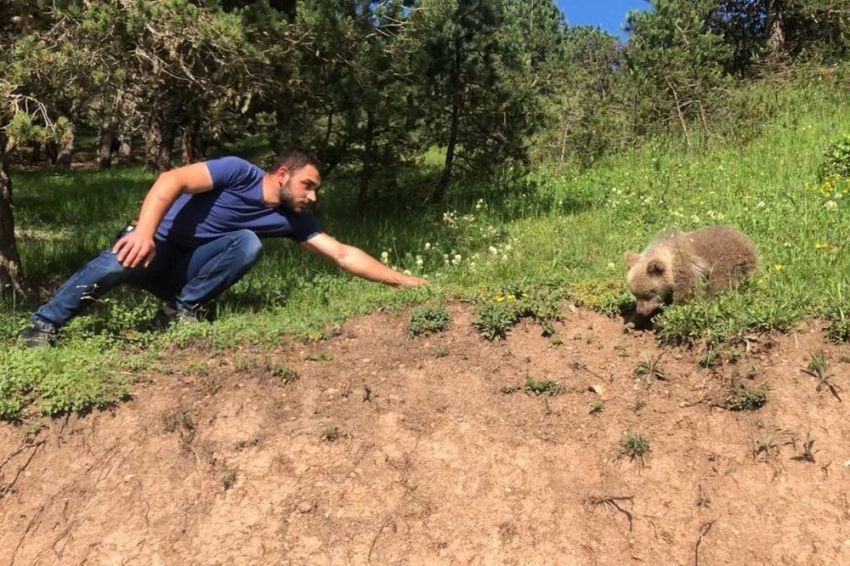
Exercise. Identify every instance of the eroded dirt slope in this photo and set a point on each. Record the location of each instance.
(396, 450)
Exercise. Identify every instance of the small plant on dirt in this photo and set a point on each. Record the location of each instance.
(743, 398)
(495, 320)
(808, 455)
(638, 405)
(596, 406)
(331, 433)
(770, 444)
(178, 421)
(752, 371)
(508, 389)
(320, 356)
(709, 359)
(649, 368)
(703, 500)
(282, 372)
(441, 351)
(819, 367)
(229, 479)
(542, 386)
(547, 330)
(424, 320)
(635, 446)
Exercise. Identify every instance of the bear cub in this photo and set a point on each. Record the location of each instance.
(677, 266)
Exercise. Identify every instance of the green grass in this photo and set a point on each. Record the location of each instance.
(553, 234)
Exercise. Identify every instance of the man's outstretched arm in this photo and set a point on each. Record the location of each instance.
(359, 263)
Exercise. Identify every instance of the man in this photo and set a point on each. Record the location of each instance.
(199, 231)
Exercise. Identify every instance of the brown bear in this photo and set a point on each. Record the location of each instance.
(677, 266)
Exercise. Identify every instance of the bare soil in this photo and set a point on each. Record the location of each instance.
(392, 449)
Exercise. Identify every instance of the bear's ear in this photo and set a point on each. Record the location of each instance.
(630, 258)
(655, 267)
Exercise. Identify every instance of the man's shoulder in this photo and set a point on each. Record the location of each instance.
(231, 162)
(230, 171)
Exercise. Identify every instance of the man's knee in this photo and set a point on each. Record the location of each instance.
(248, 244)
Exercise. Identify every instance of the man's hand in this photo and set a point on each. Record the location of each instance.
(135, 249)
(412, 281)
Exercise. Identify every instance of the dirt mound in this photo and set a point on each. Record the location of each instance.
(389, 449)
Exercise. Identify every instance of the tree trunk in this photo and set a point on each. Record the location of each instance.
(66, 152)
(109, 134)
(446, 177)
(193, 148)
(159, 141)
(125, 148)
(10, 262)
(777, 27)
(366, 172)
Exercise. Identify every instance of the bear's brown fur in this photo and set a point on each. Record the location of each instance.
(677, 266)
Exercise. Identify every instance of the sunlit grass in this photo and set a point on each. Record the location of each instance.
(554, 227)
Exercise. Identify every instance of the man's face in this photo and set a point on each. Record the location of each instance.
(297, 189)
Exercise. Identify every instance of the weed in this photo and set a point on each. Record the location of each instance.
(752, 371)
(546, 386)
(649, 368)
(320, 356)
(635, 446)
(596, 406)
(508, 389)
(547, 330)
(743, 398)
(837, 326)
(703, 500)
(836, 160)
(808, 455)
(819, 368)
(638, 405)
(331, 433)
(441, 351)
(197, 368)
(283, 372)
(180, 421)
(709, 359)
(770, 444)
(494, 320)
(424, 320)
(229, 479)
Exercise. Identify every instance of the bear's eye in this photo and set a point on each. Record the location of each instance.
(648, 295)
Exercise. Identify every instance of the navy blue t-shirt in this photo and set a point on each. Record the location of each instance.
(234, 203)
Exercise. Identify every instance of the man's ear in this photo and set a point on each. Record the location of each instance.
(630, 258)
(282, 173)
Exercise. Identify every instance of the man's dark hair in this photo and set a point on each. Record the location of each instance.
(295, 159)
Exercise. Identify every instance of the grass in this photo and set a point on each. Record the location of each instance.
(552, 234)
(635, 446)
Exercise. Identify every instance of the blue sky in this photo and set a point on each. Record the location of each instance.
(610, 15)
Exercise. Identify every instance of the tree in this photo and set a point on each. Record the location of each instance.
(676, 64)
(475, 67)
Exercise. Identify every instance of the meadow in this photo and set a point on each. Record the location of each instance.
(555, 234)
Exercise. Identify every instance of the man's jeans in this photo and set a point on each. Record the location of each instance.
(185, 278)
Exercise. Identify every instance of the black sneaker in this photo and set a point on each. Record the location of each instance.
(167, 316)
(37, 335)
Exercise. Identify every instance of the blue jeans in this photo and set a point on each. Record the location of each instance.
(186, 278)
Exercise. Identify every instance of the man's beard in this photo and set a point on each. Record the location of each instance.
(286, 198)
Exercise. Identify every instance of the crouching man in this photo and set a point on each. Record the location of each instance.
(199, 231)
